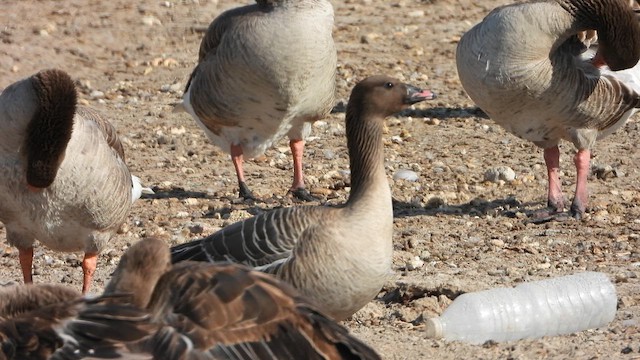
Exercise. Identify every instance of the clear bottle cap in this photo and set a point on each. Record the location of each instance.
(434, 328)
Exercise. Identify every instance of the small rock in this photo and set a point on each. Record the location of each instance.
(497, 243)
(191, 201)
(369, 38)
(181, 215)
(150, 20)
(404, 174)
(604, 172)
(416, 13)
(178, 131)
(414, 264)
(499, 173)
(196, 228)
(96, 94)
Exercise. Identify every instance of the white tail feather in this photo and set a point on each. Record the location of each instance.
(137, 189)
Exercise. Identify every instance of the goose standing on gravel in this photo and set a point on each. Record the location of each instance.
(524, 65)
(188, 311)
(337, 256)
(63, 179)
(265, 71)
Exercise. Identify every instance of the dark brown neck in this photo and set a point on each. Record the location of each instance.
(366, 153)
(49, 130)
(617, 26)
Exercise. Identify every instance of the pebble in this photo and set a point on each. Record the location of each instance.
(178, 131)
(604, 172)
(431, 121)
(171, 88)
(369, 38)
(191, 201)
(329, 154)
(96, 94)
(416, 13)
(196, 228)
(497, 243)
(181, 215)
(405, 174)
(499, 173)
(415, 263)
(150, 20)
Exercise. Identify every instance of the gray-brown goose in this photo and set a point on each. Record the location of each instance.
(264, 71)
(190, 311)
(525, 66)
(337, 256)
(63, 179)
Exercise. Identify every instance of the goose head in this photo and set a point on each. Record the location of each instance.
(139, 269)
(384, 96)
(617, 49)
(49, 130)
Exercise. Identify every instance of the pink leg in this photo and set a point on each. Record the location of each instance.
(297, 148)
(297, 189)
(89, 264)
(552, 160)
(579, 204)
(238, 158)
(26, 261)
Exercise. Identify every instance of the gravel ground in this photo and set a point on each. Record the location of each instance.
(455, 230)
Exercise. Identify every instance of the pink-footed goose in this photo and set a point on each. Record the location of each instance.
(63, 179)
(525, 66)
(337, 256)
(264, 71)
(189, 311)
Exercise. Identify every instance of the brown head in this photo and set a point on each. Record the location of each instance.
(49, 131)
(382, 96)
(617, 26)
(139, 269)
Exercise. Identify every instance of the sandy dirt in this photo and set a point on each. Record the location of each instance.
(454, 231)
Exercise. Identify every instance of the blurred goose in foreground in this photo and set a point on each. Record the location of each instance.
(264, 71)
(63, 179)
(191, 311)
(19, 299)
(525, 66)
(337, 256)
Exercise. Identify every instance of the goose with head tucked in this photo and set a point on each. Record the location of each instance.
(63, 178)
(339, 257)
(264, 71)
(189, 311)
(527, 67)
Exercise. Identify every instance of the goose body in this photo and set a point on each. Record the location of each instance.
(151, 309)
(63, 178)
(525, 65)
(264, 71)
(337, 256)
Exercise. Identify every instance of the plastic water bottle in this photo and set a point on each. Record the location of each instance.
(530, 310)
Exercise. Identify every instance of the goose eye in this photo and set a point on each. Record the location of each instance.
(388, 85)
